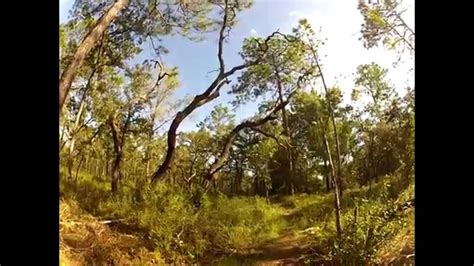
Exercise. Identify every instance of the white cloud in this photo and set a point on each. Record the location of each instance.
(293, 13)
(253, 32)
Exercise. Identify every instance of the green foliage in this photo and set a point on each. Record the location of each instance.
(177, 220)
(383, 23)
(282, 65)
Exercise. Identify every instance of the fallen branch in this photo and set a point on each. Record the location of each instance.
(86, 223)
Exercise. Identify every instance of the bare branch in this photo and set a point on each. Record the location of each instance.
(221, 39)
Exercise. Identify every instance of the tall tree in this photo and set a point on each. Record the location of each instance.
(281, 70)
(229, 9)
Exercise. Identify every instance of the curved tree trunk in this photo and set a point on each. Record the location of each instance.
(87, 44)
(208, 95)
(220, 161)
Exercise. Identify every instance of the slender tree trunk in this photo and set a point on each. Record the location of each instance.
(326, 175)
(337, 201)
(286, 132)
(70, 160)
(147, 168)
(119, 141)
(326, 168)
(81, 160)
(61, 140)
(255, 185)
(238, 183)
(289, 150)
(107, 168)
(76, 127)
(87, 44)
(69, 167)
(86, 162)
(116, 173)
(333, 120)
(97, 169)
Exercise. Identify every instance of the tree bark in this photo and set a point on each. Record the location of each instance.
(81, 160)
(116, 175)
(118, 144)
(238, 180)
(87, 44)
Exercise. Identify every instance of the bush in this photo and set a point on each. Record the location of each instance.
(370, 224)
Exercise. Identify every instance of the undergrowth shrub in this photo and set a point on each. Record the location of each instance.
(181, 228)
(370, 221)
(240, 223)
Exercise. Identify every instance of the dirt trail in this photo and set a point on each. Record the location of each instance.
(285, 250)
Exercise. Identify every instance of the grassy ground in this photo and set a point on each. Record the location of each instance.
(166, 225)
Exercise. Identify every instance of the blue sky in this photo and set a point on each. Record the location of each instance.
(338, 20)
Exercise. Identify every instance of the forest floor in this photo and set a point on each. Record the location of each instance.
(294, 229)
(288, 249)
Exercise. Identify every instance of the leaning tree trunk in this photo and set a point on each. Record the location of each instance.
(208, 95)
(87, 44)
(199, 100)
(325, 161)
(333, 119)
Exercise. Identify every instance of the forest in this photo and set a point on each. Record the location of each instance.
(318, 173)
